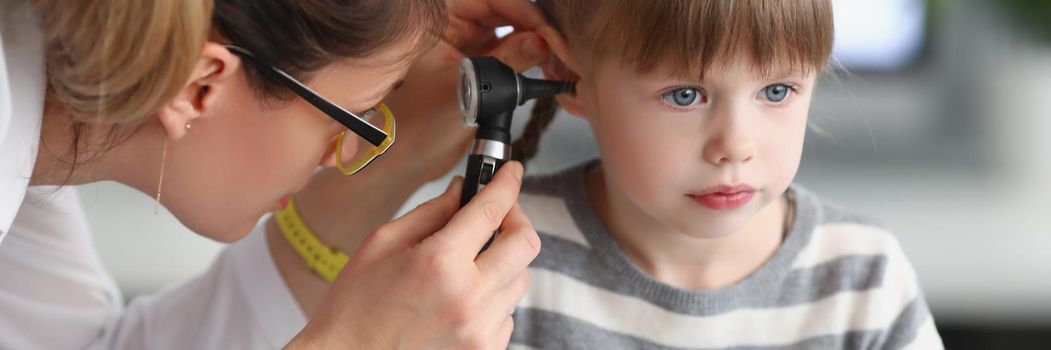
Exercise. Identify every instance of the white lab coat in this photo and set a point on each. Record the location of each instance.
(54, 292)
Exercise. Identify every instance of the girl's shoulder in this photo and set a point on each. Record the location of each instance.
(831, 231)
(845, 248)
(862, 249)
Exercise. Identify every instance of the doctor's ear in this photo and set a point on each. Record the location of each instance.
(211, 75)
(560, 65)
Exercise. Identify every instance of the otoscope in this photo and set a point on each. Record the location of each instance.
(489, 91)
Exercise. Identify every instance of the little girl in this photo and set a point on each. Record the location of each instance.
(688, 233)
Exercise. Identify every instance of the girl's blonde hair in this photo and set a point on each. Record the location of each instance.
(687, 38)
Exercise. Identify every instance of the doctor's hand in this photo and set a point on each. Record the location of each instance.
(431, 137)
(417, 283)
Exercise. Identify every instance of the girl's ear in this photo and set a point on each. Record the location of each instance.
(560, 65)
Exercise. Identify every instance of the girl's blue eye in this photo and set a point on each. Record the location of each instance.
(776, 92)
(683, 97)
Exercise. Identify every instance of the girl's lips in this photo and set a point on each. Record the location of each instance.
(724, 197)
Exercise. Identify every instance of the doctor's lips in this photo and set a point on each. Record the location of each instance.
(724, 197)
(283, 202)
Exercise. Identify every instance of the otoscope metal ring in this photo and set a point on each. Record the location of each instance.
(491, 149)
(466, 92)
(518, 87)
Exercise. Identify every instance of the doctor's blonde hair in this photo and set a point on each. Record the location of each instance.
(118, 61)
(686, 38)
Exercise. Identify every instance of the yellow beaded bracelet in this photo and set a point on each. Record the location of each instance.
(326, 261)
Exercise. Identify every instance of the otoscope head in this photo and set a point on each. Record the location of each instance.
(488, 88)
(489, 92)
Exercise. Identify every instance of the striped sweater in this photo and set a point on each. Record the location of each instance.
(836, 282)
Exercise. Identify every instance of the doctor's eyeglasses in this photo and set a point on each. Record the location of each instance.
(373, 129)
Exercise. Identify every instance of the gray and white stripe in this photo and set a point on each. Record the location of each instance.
(837, 281)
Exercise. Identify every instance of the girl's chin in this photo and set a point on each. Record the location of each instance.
(715, 226)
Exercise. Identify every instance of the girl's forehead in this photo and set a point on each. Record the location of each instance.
(721, 71)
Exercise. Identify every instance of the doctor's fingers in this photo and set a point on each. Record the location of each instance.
(503, 331)
(473, 226)
(472, 22)
(417, 225)
(522, 14)
(504, 301)
(521, 50)
(514, 248)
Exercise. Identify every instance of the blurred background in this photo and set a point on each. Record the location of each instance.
(937, 125)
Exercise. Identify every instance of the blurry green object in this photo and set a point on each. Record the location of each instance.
(1034, 14)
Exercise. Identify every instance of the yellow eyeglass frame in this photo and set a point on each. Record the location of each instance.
(375, 152)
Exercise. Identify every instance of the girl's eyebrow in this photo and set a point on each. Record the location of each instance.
(784, 74)
(668, 77)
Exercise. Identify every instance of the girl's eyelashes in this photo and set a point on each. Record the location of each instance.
(777, 93)
(683, 97)
(689, 96)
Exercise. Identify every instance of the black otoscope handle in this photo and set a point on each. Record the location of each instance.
(480, 170)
